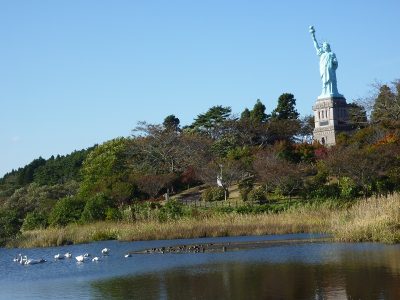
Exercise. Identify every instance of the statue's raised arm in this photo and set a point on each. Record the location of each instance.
(316, 46)
(327, 67)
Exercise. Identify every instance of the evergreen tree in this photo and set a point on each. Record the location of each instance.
(286, 108)
(257, 114)
(62, 168)
(245, 115)
(386, 110)
(210, 121)
(25, 175)
(357, 116)
(171, 123)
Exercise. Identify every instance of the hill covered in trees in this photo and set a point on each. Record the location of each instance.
(269, 155)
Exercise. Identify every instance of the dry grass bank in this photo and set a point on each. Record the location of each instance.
(232, 224)
(375, 219)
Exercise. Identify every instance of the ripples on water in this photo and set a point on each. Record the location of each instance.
(285, 271)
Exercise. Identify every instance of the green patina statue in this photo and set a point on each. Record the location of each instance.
(327, 68)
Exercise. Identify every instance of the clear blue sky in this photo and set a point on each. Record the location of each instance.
(74, 73)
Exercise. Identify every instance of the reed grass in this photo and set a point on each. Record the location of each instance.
(375, 219)
(214, 225)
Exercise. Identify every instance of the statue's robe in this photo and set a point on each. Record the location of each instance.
(327, 69)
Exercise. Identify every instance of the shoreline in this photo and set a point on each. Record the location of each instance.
(372, 220)
(220, 226)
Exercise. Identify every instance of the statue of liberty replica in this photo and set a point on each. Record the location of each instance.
(330, 109)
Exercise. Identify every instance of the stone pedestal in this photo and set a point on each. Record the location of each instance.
(331, 117)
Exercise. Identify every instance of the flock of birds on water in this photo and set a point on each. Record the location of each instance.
(24, 260)
(196, 248)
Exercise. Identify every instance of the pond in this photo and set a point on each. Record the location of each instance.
(299, 266)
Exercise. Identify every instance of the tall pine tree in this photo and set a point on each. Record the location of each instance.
(245, 115)
(257, 114)
(386, 109)
(171, 123)
(286, 108)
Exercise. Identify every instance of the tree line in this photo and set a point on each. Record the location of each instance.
(269, 155)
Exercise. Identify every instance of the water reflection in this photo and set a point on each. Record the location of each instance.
(235, 280)
(284, 270)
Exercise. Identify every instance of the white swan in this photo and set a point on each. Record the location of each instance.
(68, 255)
(33, 261)
(95, 258)
(80, 258)
(105, 251)
(23, 259)
(86, 255)
(59, 256)
(128, 255)
(17, 258)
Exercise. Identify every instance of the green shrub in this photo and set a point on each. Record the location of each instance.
(172, 210)
(325, 191)
(95, 208)
(244, 209)
(9, 224)
(384, 185)
(34, 220)
(279, 207)
(113, 214)
(264, 208)
(348, 189)
(66, 210)
(316, 187)
(225, 209)
(257, 195)
(213, 194)
(141, 211)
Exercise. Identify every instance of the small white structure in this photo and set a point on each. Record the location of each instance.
(219, 181)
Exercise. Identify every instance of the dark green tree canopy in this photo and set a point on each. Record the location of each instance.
(245, 115)
(171, 123)
(55, 170)
(286, 108)
(357, 116)
(210, 121)
(66, 210)
(25, 175)
(62, 168)
(104, 171)
(386, 110)
(257, 114)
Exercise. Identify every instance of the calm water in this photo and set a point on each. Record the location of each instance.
(283, 271)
